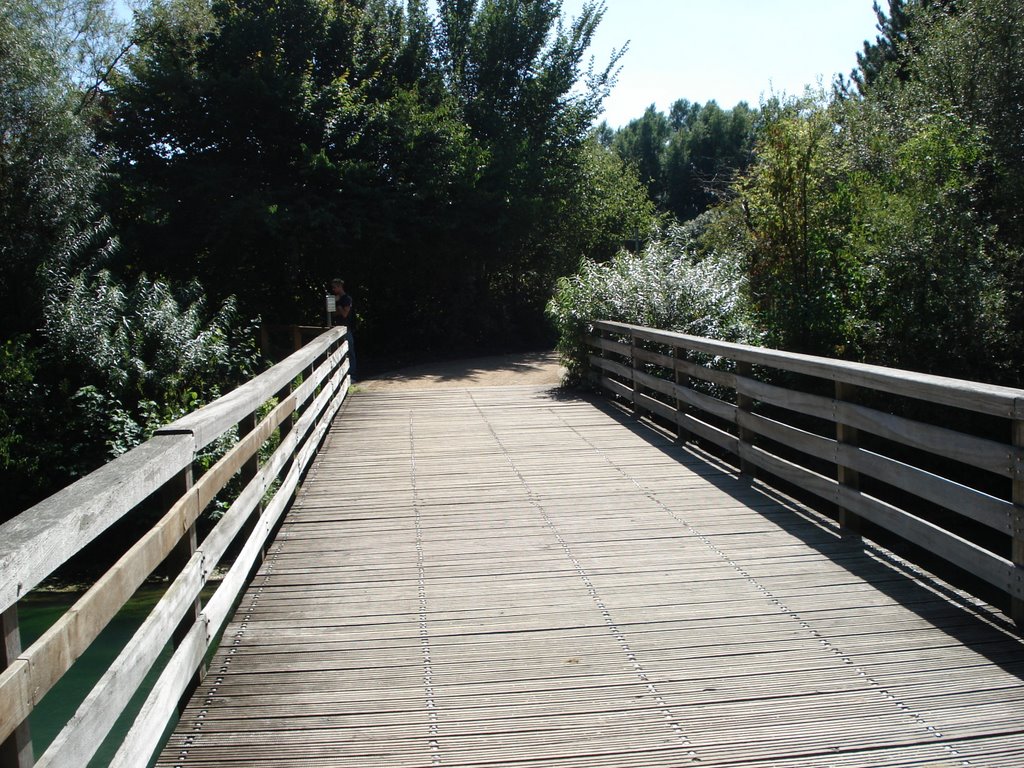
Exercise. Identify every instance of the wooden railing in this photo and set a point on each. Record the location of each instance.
(287, 409)
(851, 434)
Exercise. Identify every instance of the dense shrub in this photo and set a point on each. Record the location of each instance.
(669, 286)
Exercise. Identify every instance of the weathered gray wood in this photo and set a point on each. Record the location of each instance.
(973, 396)
(655, 358)
(559, 586)
(974, 451)
(847, 435)
(78, 741)
(974, 559)
(98, 713)
(744, 405)
(712, 434)
(720, 408)
(969, 502)
(211, 421)
(850, 420)
(610, 366)
(41, 539)
(144, 735)
(725, 379)
(16, 748)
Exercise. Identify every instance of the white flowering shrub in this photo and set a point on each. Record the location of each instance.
(668, 286)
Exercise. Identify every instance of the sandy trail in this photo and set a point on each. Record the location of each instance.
(532, 369)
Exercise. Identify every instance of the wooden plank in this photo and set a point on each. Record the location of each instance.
(563, 586)
(16, 749)
(610, 366)
(211, 421)
(688, 396)
(145, 733)
(67, 639)
(725, 379)
(846, 473)
(974, 451)
(974, 559)
(971, 396)
(609, 345)
(41, 539)
(988, 510)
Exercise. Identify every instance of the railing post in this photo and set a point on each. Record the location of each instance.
(745, 403)
(177, 560)
(849, 522)
(16, 751)
(246, 474)
(1017, 603)
(680, 353)
(632, 368)
(597, 374)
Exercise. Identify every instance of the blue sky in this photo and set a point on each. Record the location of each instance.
(726, 50)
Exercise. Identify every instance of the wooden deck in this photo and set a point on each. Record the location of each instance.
(512, 577)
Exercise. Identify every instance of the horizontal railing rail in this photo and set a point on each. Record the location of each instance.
(848, 433)
(284, 412)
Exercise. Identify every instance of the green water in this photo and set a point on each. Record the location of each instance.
(36, 613)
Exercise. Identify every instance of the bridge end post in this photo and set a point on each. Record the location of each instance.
(849, 522)
(16, 751)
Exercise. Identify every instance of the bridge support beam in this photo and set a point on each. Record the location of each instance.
(16, 751)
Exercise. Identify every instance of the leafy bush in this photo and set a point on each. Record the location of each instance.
(668, 286)
(114, 363)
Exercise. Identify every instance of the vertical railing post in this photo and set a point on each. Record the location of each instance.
(246, 474)
(849, 522)
(597, 375)
(632, 368)
(1017, 603)
(679, 353)
(176, 560)
(744, 403)
(285, 427)
(16, 751)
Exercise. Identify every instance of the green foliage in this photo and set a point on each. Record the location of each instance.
(47, 168)
(430, 163)
(668, 286)
(689, 158)
(115, 364)
(793, 210)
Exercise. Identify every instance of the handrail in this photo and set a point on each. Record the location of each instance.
(710, 390)
(303, 393)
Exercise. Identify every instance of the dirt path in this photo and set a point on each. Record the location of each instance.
(535, 368)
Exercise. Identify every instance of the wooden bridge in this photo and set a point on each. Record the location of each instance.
(521, 576)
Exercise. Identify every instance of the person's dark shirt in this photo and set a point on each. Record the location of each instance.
(344, 301)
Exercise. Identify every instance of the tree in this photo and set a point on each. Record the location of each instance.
(287, 141)
(792, 207)
(689, 159)
(517, 73)
(47, 169)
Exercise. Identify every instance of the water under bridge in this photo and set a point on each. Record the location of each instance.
(528, 576)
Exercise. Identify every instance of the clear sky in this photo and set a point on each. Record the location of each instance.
(726, 50)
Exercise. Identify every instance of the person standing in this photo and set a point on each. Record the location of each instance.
(344, 314)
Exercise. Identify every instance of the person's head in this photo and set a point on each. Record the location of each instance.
(337, 286)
